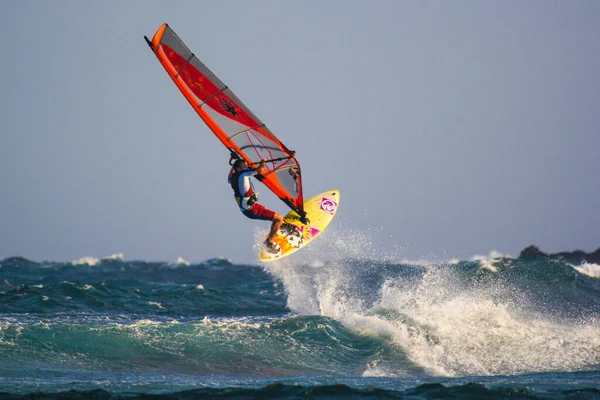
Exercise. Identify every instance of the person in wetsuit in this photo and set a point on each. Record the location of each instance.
(246, 197)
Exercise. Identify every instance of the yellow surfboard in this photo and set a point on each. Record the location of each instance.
(294, 235)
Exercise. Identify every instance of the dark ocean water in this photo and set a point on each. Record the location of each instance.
(346, 328)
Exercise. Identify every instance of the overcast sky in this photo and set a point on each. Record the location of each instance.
(452, 128)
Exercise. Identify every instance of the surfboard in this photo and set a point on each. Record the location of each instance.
(294, 235)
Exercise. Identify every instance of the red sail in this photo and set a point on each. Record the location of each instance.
(228, 118)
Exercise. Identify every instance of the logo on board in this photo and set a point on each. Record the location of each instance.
(328, 205)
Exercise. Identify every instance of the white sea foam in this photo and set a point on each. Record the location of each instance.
(589, 269)
(182, 261)
(494, 255)
(115, 257)
(91, 261)
(217, 261)
(488, 262)
(439, 326)
(456, 333)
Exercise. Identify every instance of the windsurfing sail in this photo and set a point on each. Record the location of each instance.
(229, 119)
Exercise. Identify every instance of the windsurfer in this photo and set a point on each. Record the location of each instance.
(246, 197)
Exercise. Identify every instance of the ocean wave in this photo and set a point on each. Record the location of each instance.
(291, 346)
(488, 316)
(589, 269)
(117, 287)
(564, 386)
(459, 319)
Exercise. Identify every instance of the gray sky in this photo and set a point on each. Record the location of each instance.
(452, 128)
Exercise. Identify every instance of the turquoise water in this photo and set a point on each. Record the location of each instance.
(491, 327)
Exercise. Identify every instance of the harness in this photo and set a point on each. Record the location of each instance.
(244, 200)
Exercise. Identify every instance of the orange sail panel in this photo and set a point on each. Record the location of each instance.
(228, 118)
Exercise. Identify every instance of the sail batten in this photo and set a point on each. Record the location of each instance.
(229, 118)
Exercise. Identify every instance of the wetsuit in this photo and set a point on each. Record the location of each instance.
(244, 191)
